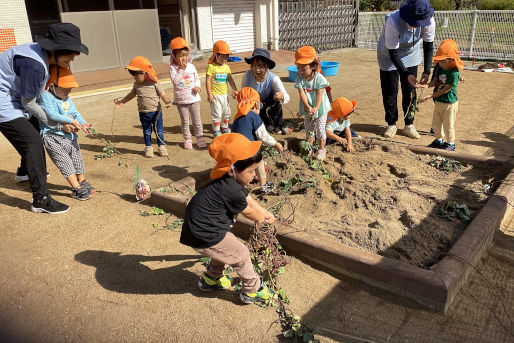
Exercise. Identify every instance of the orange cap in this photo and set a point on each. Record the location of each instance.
(65, 78)
(229, 148)
(140, 63)
(305, 55)
(340, 108)
(220, 47)
(178, 43)
(449, 49)
(246, 99)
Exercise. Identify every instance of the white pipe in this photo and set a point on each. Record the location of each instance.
(275, 31)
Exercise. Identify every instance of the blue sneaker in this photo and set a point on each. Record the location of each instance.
(217, 133)
(225, 130)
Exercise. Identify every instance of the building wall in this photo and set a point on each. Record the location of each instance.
(14, 24)
(204, 13)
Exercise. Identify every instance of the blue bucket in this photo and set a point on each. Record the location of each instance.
(328, 69)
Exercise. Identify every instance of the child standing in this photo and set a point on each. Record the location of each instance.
(186, 86)
(149, 92)
(445, 98)
(63, 148)
(210, 216)
(314, 103)
(248, 123)
(338, 123)
(218, 74)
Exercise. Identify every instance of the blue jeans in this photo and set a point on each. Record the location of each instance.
(152, 120)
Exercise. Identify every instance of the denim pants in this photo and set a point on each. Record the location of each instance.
(149, 121)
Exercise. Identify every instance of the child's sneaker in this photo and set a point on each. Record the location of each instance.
(225, 130)
(207, 284)
(85, 184)
(437, 144)
(267, 187)
(287, 128)
(217, 133)
(448, 146)
(81, 193)
(148, 152)
(200, 143)
(188, 144)
(261, 296)
(322, 153)
(163, 152)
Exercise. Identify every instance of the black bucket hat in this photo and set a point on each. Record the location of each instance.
(262, 53)
(416, 13)
(63, 36)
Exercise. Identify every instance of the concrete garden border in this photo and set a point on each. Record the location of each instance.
(435, 288)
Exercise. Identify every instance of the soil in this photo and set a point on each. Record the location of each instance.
(101, 272)
(383, 198)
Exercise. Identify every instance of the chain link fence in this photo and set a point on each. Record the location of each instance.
(479, 34)
(323, 24)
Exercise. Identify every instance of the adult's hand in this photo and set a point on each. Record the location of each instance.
(424, 79)
(278, 96)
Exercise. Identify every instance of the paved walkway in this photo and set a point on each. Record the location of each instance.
(119, 77)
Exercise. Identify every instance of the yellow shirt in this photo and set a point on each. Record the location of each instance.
(219, 76)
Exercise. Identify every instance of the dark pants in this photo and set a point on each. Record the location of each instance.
(342, 135)
(27, 141)
(271, 113)
(22, 170)
(389, 84)
(152, 120)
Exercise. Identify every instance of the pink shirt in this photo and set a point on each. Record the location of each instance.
(183, 83)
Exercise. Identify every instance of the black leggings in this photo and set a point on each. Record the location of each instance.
(389, 84)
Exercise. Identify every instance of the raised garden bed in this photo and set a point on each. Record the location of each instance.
(382, 214)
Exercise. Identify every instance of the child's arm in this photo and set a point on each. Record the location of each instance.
(335, 137)
(319, 97)
(78, 117)
(198, 84)
(304, 100)
(232, 85)
(437, 94)
(262, 134)
(165, 98)
(210, 97)
(349, 145)
(127, 98)
(52, 113)
(256, 212)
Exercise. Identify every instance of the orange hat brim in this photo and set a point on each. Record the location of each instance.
(335, 115)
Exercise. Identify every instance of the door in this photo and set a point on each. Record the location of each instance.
(233, 22)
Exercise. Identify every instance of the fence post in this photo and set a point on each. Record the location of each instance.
(472, 41)
(356, 24)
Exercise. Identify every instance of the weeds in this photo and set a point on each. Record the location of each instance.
(155, 211)
(446, 164)
(306, 152)
(174, 224)
(268, 151)
(296, 180)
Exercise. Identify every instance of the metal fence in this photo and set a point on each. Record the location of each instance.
(324, 24)
(480, 34)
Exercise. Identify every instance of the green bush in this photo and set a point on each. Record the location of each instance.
(495, 5)
(376, 5)
(443, 5)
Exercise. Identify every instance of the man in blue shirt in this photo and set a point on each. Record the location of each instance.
(23, 77)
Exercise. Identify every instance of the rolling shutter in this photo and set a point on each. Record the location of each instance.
(233, 22)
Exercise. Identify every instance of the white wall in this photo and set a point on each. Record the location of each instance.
(204, 21)
(13, 15)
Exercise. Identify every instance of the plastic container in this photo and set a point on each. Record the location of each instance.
(328, 68)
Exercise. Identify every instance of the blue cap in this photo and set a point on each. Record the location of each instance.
(416, 13)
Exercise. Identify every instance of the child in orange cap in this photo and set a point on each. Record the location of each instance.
(338, 123)
(62, 147)
(248, 123)
(218, 74)
(314, 103)
(149, 92)
(445, 98)
(186, 86)
(211, 214)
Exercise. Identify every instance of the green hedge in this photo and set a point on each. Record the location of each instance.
(443, 5)
(495, 5)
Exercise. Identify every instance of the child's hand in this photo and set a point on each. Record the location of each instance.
(461, 79)
(350, 148)
(168, 104)
(425, 98)
(196, 90)
(76, 125)
(309, 110)
(117, 104)
(279, 147)
(234, 94)
(210, 98)
(342, 140)
(85, 128)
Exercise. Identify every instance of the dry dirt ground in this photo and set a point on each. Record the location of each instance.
(103, 273)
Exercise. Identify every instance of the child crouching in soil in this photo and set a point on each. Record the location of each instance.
(445, 98)
(62, 147)
(338, 123)
(210, 216)
(149, 92)
(248, 123)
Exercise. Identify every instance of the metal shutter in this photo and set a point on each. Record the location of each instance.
(233, 22)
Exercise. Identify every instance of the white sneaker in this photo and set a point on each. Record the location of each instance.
(411, 132)
(390, 131)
